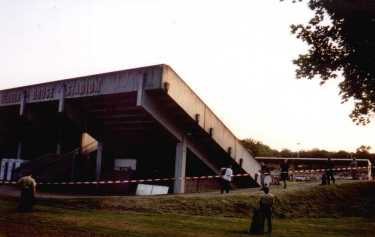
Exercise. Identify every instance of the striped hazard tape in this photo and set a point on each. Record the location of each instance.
(334, 169)
(172, 179)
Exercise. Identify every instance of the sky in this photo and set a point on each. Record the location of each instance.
(235, 54)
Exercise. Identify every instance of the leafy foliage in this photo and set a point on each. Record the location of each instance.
(341, 42)
(363, 150)
(258, 148)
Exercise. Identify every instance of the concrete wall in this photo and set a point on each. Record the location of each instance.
(100, 84)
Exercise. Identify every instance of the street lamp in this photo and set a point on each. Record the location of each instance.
(298, 149)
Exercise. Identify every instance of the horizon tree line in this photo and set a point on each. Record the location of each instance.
(258, 148)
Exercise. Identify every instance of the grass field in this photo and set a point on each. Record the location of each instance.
(193, 216)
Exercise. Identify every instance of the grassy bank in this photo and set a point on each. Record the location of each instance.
(351, 199)
(343, 211)
(52, 221)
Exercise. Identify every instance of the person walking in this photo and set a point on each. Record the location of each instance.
(266, 204)
(226, 179)
(329, 172)
(28, 189)
(284, 172)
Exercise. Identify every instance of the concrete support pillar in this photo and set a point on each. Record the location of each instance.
(60, 119)
(22, 104)
(140, 90)
(99, 155)
(19, 150)
(62, 99)
(60, 131)
(180, 167)
(58, 149)
(21, 113)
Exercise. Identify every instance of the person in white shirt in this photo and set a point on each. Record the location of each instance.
(226, 179)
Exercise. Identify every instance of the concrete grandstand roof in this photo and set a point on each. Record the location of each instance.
(137, 99)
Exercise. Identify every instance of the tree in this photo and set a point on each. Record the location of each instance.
(342, 154)
(257, 148)
(341, 41)
(286, 153)
(363, 150)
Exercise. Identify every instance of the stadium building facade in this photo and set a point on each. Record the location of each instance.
(140, 123)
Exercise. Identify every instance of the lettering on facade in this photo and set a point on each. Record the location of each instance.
(11, 97)
(43, 93)
(106, 84)
(83, 87)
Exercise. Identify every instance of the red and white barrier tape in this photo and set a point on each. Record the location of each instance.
(334, 169)
(170, 179)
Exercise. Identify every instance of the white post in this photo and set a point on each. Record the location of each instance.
(99, 155)
(18, 163)
(369, 171)
(11, 163)
(2, 169)
(180, 167)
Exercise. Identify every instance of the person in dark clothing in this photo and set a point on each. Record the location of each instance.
(324, 179)
(354, 166)
(266, 203)
(284, 172)
(27, 198)
(257, 222)
(329, 172)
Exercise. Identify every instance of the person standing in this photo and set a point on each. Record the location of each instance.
(284, 172)
(266, 204)
(354, 167)
(226, 179)
(329, 171)
(264, 172)
(324, 178)
(28, 189)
